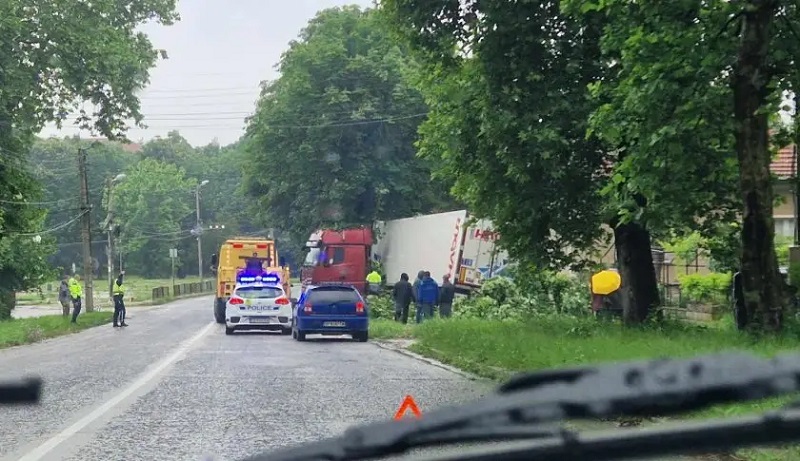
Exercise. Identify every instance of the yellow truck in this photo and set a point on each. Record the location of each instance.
(235, 254)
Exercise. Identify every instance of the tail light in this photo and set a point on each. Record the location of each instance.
(236, 301)
(307, 308)
(360, 307)
(282, 301)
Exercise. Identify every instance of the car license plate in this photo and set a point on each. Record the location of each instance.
(261, 319)
(333, 324)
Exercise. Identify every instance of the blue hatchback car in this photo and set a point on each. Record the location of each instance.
(331, 310)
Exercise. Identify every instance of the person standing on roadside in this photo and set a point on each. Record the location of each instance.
(403, 294)
(446, 294)
(427, 295)
(119, 304)
(415, 291)
(75, 293)
(63, 296)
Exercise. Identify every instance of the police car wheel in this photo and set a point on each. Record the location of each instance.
(228, 331)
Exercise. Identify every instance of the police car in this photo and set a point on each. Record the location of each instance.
(258, 302)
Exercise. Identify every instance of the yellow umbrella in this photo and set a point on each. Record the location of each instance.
(605, 282)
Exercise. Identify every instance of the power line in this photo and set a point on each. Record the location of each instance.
(52, 229)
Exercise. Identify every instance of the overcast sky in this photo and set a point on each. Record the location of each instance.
(219, 52)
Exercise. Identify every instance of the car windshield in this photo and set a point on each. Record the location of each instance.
(312, 257)
(259, 292)
(329, 295)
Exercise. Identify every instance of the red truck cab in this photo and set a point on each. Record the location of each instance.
(338, 257)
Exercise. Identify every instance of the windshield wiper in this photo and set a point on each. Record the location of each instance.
(523, 408)
(23, 392)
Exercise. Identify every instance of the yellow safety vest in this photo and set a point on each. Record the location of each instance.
(374, 277)
(118, 289)
(75, 288)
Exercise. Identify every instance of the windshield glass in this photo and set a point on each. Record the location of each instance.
(259, 292)
(312, 257)
(329, 295)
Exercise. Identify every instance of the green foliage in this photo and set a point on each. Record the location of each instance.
(544, 294)
(504, 121)
(794, 274)
(152, 202)
(380, 307)
(331, 143)
(55, 56)
(710, 288)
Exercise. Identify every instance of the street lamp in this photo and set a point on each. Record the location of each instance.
(110, 232)
(199, 230)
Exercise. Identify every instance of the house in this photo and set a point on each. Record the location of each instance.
(784, 166)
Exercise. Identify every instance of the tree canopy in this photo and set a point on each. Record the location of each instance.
(332, 139)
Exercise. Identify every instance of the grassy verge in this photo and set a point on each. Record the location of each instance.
(137, 289)
(16, 332)
(498, 349)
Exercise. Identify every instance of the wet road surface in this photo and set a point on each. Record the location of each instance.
(173, 386)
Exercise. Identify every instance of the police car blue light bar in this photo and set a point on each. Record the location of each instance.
(263, 277)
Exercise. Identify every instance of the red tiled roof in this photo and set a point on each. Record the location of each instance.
(783, 165)
(131, 147)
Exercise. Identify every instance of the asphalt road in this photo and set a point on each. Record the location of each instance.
(173, 386)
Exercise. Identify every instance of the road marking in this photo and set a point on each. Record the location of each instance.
(144, 379)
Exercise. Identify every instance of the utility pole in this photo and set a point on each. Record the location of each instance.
(110, 229)
(110, 238)
(86, 232)
(199, 231)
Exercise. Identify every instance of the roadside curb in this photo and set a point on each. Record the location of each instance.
(397, 346)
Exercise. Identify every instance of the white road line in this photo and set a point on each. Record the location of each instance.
(145, 378)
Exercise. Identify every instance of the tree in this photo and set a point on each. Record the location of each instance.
(682, 60)
(151, 204)
(54, 56)
(54, 166)
(332, 140)
(506, 86)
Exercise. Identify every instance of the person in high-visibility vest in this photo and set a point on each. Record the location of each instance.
(374, 280)
(75, 293)
(119, 304)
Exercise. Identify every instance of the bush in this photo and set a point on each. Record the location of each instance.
(380, 307)
(706, 288)
(544, 294)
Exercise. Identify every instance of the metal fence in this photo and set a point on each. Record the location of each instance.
(183, 289)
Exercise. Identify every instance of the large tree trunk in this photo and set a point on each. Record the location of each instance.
(639, 284)
(761, 282)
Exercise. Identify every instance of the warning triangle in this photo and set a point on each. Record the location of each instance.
(408, 404)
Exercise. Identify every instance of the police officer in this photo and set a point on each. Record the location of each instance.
(119, 304)
(75, 293)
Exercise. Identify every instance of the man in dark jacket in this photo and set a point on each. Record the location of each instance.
(63, 296)
(417, 305)
(427, 296)
(446, 294)
(403, 294)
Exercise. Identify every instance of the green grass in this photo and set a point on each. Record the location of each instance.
(498, 349)
(16, 332)
(137, 289)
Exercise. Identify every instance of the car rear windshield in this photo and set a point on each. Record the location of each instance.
(329, 295)
(259, 292)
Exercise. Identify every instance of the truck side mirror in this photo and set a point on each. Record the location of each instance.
(214, 259)
(282, 261)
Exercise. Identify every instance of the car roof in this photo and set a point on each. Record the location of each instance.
(258, 285)
(331, 285)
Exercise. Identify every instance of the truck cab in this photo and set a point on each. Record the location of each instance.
(338, 256)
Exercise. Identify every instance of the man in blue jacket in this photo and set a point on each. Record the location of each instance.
(427, 296)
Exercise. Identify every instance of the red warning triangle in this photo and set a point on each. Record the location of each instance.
(408, 404)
